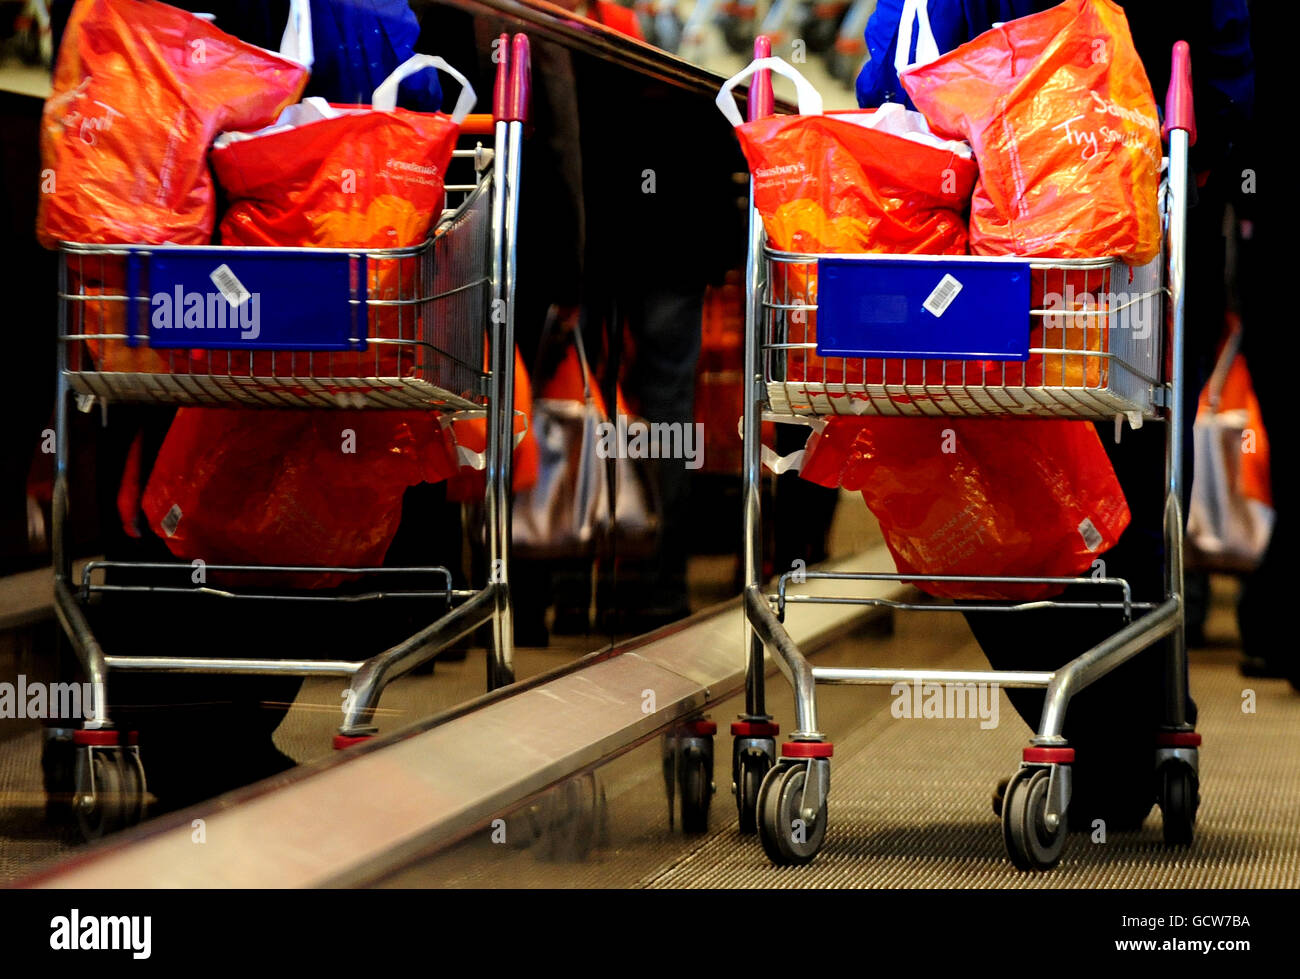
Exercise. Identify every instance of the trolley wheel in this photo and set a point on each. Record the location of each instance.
(101, 803)
(1180, 797)
(134, 793)
(1030, 844)
(750, 768)
(696, 778)
(787, 839)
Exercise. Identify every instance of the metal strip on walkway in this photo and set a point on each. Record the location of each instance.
(369, 809)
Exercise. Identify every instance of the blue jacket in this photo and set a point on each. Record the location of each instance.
(954, 22)
(358, 44)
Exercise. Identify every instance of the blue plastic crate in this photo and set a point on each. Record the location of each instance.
(954, 309)
(237, 299)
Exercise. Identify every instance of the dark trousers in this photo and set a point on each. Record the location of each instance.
(1111, 724)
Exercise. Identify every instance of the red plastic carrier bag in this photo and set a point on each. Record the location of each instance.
(290, 487)
(872, 180)
(1022, 498)
(140, 91)
(1063, 122)
(346, 176)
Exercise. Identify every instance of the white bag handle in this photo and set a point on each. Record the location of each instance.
(385, 97)
(810, 102)
(915, 14)
(296, 45)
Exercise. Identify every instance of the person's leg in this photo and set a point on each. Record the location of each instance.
(1109, 724)
(802, 511)
(665, 324)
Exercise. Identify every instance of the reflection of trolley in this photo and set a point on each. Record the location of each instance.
(454, 294)
(1103, 368)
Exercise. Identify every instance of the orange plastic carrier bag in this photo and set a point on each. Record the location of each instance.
(1063, 122)
(1022, 498)
(140, 91)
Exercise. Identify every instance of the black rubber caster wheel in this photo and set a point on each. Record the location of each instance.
(135, 796)
(1180, 797)
(696, 782)
(787, 839)
(751, 766)
(101, 803)
(1031, 845)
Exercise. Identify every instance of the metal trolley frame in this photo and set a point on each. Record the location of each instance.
(454, 292)
(783, 798)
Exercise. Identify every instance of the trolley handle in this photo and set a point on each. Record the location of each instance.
(501, 89)
(762, 102)
(520, 80)
(1180, 112)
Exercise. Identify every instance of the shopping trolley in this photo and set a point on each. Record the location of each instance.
(323, 323)
(1109, 365)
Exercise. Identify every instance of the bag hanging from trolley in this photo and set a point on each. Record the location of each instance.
(139, 92)
(289, 487)
(984, 498)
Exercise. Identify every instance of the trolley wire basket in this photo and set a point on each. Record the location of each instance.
(1065, 338)
(285, 327)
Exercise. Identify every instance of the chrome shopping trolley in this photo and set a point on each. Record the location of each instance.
(446, 346)
(1108, 367)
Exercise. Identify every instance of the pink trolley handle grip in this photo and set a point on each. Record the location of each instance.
(762, 102)
(521, 80)
(501, 87)
(1180, 113)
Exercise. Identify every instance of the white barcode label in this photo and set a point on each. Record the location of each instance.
(172, 520)
(944, 293)
(1091, 535)
(230, 286)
